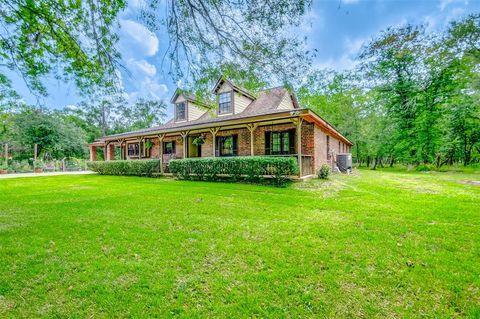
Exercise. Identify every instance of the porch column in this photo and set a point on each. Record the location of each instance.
(184, 136)
(251, 128)
(110, 148)
(105, 151)
(160, 145)
(93, 153)
(139, 149)
(121, 149)
(214, 132)
(298, 125)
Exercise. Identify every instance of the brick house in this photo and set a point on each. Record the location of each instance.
(269, 123)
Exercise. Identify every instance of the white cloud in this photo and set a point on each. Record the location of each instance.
(148, 88)
(350, 1)
(342, 63)
(139, 38)
(353, 46)
(445, 3)
(141, 68)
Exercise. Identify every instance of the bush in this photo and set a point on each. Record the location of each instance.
(324, 171)
(137, 168)
(249, 168)
(424, 168)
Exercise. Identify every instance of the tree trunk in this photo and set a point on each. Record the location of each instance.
(368, 161)
(375, 161)
(392, 160)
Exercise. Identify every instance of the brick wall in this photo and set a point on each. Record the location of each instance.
(308, 144)
(110, 152)
(178, 144)
(321, 147)
(155, 150)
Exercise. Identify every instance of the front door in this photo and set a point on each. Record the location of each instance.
(192, 149)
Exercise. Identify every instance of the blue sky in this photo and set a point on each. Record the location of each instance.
(337, 28)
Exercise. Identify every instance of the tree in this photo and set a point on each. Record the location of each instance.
(104, 110)
(54, 137)
(69, 39)
(250, 34)
(337, 98)
(393, 65)
(145, 113)
(462, 125)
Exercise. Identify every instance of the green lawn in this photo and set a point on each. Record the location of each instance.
(376, 244)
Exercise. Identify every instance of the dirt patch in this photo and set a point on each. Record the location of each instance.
(474, 183)
(325, 188)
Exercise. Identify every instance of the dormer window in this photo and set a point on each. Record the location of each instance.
(225, 103)
(180, 111)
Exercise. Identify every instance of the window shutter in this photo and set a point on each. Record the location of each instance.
(173, 148)
(268, 143)
(291, 141)
(235, 145)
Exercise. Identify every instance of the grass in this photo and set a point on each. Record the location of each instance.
(377, 244)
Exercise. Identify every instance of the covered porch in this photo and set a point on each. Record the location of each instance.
(291, 136)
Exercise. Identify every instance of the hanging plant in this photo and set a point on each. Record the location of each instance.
(199, 140)
(148, 144)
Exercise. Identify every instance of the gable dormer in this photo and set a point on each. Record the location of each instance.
(185, 108)
(231, 98)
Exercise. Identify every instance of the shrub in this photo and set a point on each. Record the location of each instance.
(249, 168)
(138, 167)
(424, 168)
(324, 171)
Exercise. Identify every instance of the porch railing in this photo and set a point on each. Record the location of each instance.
(307, 165)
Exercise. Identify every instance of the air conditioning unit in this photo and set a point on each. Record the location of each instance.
(344, 162)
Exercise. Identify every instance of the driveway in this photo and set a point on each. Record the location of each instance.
(16, 175)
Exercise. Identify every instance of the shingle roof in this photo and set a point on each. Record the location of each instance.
(266, 103)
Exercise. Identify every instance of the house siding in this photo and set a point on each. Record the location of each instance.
(194, 111)
(240, 102)
(286, 103)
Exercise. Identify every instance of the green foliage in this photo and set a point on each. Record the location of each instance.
(54, 137)
(71, 40)
(413, 100)
(324, 171)
(137, 168)
(220, 32)
(249, 168)
(199, 140)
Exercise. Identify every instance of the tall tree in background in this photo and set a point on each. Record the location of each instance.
(145, 113)
(393, 63)
(54, 137)
(103, 110)
(462, 127)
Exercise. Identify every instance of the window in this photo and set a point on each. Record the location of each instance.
(133, 149)
(328, 147)
(169, 147)
(278, 143)
(227, 145)
(225, 103)
(180, 111)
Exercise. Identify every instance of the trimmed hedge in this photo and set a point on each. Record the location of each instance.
(249, 168)
(138, 167)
